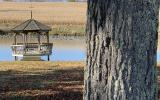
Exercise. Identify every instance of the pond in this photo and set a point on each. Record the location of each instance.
(43, 0)
(64, 49)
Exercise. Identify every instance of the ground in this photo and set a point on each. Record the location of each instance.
(41, 80)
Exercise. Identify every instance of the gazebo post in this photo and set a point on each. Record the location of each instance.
(24, 41)
(15, 43)
(47, 37)
(15, 38)
(48, 43)
(39, 38)
(26, 38)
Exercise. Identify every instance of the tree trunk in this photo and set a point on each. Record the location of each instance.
(121, 50)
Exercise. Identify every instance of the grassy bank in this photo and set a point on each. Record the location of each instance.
(41, 80)
(64, 18)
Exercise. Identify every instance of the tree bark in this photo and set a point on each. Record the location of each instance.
(121, 41)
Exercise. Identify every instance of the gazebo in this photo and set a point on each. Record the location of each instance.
(29, 50)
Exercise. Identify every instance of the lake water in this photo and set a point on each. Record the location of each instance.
(64, 49)
(42, 0)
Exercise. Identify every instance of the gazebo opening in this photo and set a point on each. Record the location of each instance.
(27, 50)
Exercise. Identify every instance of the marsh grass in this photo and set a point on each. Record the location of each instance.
(50, 13)
(77, 30)
(64, 18)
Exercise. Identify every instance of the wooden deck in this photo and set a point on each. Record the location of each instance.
(32, 49)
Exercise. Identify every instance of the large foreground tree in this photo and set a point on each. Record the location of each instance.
(121, 50)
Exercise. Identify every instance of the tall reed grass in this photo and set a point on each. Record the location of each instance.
(49, 13)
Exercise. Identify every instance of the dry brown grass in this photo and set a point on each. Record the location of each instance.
(50, 13)
(64, 18)
(41, 80)
(59, 15)
(26, 66)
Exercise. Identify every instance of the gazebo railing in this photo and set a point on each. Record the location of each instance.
(31, 49)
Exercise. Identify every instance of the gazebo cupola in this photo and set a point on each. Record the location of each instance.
(27, 49)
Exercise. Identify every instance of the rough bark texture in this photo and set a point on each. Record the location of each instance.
(121, 50)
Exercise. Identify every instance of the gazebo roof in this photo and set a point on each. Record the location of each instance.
(31, 25)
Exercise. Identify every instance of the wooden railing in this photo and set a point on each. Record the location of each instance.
(32, 49)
